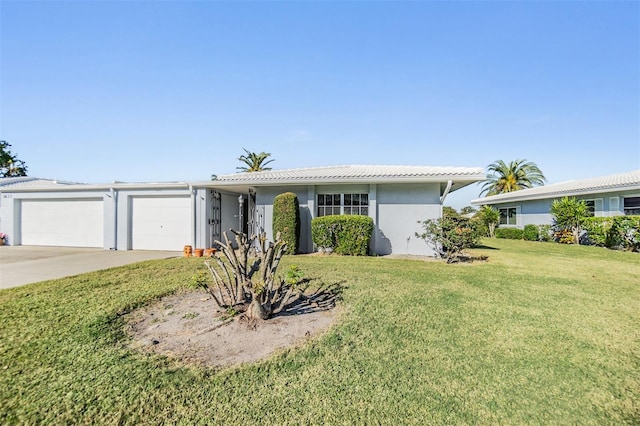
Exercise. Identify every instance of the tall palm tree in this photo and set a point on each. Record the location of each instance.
(254, 162)
(516, 175)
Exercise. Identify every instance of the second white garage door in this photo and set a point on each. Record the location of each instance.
(162, 223)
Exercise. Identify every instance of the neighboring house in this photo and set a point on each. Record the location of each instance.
(167, 216)
(605, 196)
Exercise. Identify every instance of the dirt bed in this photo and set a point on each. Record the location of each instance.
(188, 327)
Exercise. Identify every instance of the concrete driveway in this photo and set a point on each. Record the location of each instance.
(21, 265)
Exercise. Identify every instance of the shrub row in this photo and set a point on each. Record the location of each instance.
(613, 232)
(349, 235)
(529, 233)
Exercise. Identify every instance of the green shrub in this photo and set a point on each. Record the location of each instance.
(625, 233)
(347, 235)
(323, 230)
(449, 236)
(530, 233)
(286, 220)
(598, 229)
(545, 233)
(509, 233)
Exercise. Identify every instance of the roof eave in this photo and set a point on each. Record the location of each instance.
(555, 194)
(467, 179)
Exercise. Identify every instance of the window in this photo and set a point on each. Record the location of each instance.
(336, 204)
(508, 216)
(632, 206)
(594, 207)
(614, 204)
(328, 204)
(356, 204)
(591, 207)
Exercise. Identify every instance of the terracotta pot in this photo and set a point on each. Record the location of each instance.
(198, 252)
(209, 252)
(187, 251)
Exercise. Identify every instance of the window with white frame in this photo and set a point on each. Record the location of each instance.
(631, 206)
(591, 207)
(594, 206)
(337, 204)
(508, 216)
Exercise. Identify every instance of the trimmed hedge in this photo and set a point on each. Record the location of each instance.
(530, 233)
(286, 220)
(509, 233)
(347, 235)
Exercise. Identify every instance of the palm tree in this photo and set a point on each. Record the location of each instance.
(254, 162)
(516, 175)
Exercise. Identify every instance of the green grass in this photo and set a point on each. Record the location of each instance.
(541, 333)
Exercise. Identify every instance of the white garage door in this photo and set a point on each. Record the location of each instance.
(68, 223)
(162, 223)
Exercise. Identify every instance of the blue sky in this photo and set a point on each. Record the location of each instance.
(162, 91)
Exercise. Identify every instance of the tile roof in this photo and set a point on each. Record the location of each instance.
(358, 173)
(611, 183)
(28, 182)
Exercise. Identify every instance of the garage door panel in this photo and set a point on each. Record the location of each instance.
(162, 223)
(67, 223)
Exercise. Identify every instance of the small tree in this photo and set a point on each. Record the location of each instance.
(286, 220)
(449, 236)
(449, 212)
(490, 218)
(468, 210)
(10, 166)
(569, 215)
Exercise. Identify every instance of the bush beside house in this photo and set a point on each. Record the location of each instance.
(510, 233)
(286, 220)
(347, 235)
(531, 233)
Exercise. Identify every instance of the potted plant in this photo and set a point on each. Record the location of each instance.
(3, 238)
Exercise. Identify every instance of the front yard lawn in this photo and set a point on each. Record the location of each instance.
(540, 333)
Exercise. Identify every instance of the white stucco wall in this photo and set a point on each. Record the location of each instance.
(400, 207)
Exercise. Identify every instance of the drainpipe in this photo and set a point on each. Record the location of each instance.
(114, 197)
(194, 232)
(446, 191)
